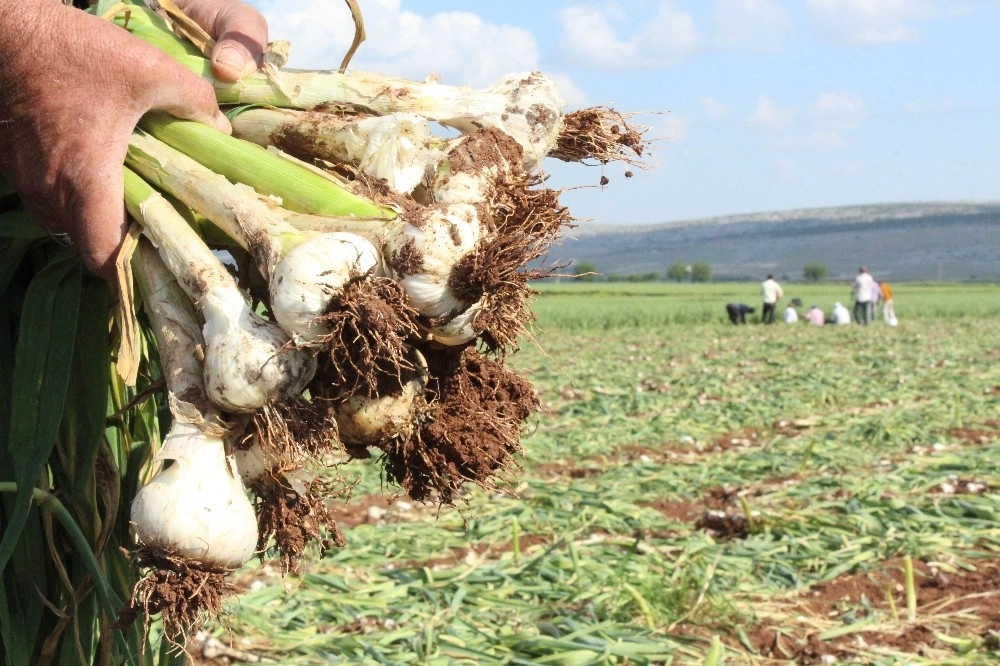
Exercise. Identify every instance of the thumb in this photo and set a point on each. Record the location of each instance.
(240, 33)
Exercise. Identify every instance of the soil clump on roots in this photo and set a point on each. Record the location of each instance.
(471, 431)
(370, 324)
(294, 518)
(180, 590)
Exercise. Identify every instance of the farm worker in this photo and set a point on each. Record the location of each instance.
(862, 295)
(815, 316)
(75, 85)
(888, 311)
(770, 293)
(791, 315)
(738, 312)
(840, 314)
(876, 300)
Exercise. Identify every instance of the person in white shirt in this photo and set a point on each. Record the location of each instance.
(840, 314)
(791, 315)
(770, 293)
(862, 295)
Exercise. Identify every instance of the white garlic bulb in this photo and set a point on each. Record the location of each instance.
(196, 508)
(442, 239)
(311, 273)
(248, 362)
(459, 329)
(363, 420)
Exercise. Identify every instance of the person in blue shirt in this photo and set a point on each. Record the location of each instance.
(738, 312)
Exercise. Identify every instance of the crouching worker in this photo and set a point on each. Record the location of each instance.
(738, 312)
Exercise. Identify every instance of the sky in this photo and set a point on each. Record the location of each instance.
(752, 105)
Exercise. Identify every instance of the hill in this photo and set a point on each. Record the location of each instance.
(900, 242)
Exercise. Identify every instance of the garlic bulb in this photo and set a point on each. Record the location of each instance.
(368, 421)
(441, 240)
(311, 273)
(248, 362)
(252, 463)
(195, 509)
(364, 420)
(532, 114)
(459, 329)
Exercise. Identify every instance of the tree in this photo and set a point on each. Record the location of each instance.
(814, 272)
(585, 271)
(701, 271)
(678, 271)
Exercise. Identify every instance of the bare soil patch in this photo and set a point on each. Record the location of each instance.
(977, 435)
(962, 603)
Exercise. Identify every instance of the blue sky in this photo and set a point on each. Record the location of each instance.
(755, 105)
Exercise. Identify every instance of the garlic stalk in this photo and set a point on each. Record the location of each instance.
(248, 362)
(400, 150)
(299, 283)
(525, 105)
(179, 341)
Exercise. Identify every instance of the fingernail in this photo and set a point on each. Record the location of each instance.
(232, 57)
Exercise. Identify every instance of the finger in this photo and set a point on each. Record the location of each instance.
(240, 32)
(185, 95)
(241, 36)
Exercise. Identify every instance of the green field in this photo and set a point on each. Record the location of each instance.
(693, 492)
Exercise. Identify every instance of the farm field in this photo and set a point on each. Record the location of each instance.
(693, 493)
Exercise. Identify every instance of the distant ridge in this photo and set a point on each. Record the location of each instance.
(953, 241)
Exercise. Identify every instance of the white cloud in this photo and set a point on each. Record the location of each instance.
(460, 47)
(869, 21)
(715, 109)
(839, 110)
(825, 139)
(589, 38)
(673, 127)
(569, 91)
(768, 114)
(756, 25)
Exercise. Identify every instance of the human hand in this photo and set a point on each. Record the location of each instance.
(240, 34)
(74, 88)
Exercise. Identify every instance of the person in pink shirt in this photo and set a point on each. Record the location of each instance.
(815, 316)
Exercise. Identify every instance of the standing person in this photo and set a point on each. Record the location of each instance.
(862, 295)
(873, 304)
(888, 311)
(75, 85)
(770, 293)
(815, 316)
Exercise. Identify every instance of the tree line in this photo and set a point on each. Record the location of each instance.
(679, 271)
